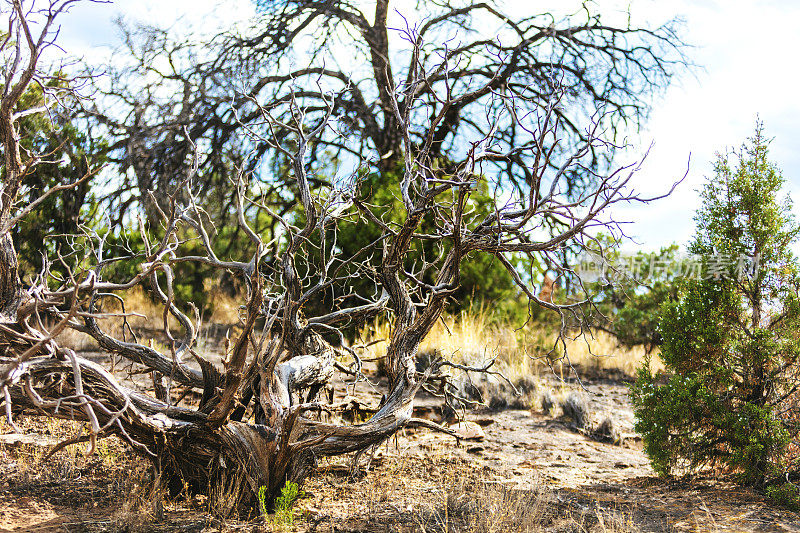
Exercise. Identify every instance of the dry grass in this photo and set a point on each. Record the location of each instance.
(473, 338)
(24, 462)
(110, 491)
(522, 355)
(72, 485)
(146, 318)
(495, 508)
(601, 351)
(444, 493)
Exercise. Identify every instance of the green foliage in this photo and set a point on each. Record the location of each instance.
(630, 307)
(786, 494)
(283, 514)
(290, 493)
(484, 280)
(689, 423)
(636, 322)
(67, 153)
(731, 342)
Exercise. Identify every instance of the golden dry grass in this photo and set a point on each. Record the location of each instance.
(473, 338)
(467, 338)
(146, 318)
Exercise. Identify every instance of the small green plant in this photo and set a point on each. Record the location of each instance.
(284, 515)
(262, 500)
(786, 494)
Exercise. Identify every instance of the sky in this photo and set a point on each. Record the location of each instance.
(745, 50)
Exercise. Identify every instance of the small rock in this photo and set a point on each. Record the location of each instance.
(475, 449)
(483, 422)
(468, 431)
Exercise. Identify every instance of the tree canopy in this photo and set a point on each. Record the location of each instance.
(472, 59)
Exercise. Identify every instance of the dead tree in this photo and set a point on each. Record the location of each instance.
(250, 430)
(169, 88)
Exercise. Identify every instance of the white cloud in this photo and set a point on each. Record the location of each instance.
(89, 29)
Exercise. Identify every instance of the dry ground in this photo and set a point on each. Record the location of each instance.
(532, 472)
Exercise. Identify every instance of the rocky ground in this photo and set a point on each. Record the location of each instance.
(531, 471)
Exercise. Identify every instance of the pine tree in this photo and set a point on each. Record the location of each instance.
(731, 341)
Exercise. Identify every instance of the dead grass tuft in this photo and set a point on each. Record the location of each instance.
(494, 508)
(520, 354)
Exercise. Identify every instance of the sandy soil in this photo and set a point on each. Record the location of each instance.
(530, 468)
(578, 479)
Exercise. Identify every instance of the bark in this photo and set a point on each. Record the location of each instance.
(10, 290)
(228, 462)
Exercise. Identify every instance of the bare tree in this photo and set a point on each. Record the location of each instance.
(171, 89)
(253, 428)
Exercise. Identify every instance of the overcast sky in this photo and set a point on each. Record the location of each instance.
(746, 49)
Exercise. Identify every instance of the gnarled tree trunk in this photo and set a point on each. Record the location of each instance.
(252, 429)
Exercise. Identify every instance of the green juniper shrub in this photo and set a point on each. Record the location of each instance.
(628, 306)
(70, 154)
(731, 340)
